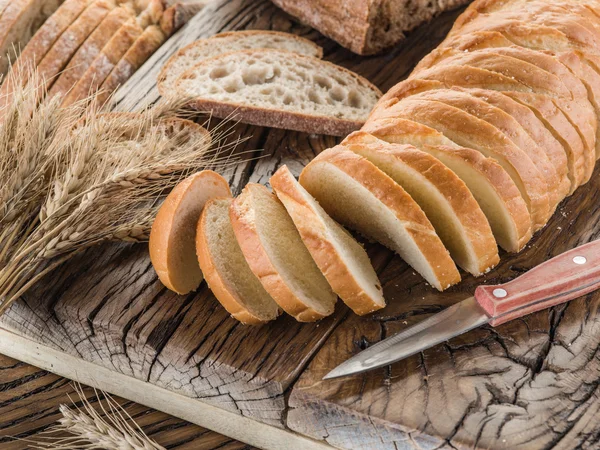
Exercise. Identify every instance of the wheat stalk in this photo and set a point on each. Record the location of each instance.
(111, 428)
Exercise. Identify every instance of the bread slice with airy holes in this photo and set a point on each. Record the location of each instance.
(225, 269)
(278, 257)
(232, 41)
(442, 195)
(359, 195)
(280, 89)
(343, 261)
(173, 234)
(490, 184)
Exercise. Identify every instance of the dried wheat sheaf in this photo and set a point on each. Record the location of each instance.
(77, 176)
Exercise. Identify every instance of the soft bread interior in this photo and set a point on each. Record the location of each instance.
(351, 252)
(287, 253)
(351, 204)
(230, 264)
(184, 271)
(440, 212)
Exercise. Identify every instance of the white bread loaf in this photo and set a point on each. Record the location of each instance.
(278, 257)
(343, 261)
(225, 269)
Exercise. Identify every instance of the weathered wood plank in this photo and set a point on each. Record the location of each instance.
(30, 398)
(529, 384)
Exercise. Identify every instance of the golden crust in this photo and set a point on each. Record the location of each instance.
(390, 194)
(314, 234)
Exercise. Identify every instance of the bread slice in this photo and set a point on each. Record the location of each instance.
(468, 131)
(280, 89)
(38, 46)
(19, 21)
(444, 197)
(278, 257)
(89, 50)
(225, 269)
(179, 14)
(232, 41)
(69, 42)
(342, 260)
(104, 63)
(144, 47)
(172, 239)
(495, 191)
(357, 194)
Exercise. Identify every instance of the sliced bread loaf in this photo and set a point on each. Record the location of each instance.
(278, 257)
(225, 269)
(490, 184)
(342, 260)
(359, 195)
(173, 235)
(280, 89)
(233, 41)
(442, 195)
(89, 50)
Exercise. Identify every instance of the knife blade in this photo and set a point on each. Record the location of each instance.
(562, 278)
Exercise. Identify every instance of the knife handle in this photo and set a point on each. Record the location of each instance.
(563, 278)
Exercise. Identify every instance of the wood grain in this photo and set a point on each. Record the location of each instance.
(30, 398)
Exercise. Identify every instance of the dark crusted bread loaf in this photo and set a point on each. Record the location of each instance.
(366, 26)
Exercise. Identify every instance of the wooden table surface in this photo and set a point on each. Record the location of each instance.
(30, 398)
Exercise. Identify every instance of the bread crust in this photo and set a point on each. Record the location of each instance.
(255, 115)
(399, 203)
(144, 47)
(161, 245)
(479, 238)
(260, 262)
(315, 236)
(395, 130)
(164, 86)
(227, 297)
(88, 51)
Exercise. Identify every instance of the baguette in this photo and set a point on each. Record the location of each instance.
(225, 269)
(468, 131)
(280, 89)
(276, 254)
(172, 238)
(144, 47)
(179, 14)
(495, 191)
(190, 55)
(69, 42)
(444, 198)
(342, 260)
(357, 194)
(104, 63)
(89, 50)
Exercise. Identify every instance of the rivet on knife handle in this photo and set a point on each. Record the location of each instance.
(563, 278)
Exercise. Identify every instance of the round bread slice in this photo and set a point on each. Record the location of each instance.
(231, 41)
(278, 257)
(173, 234)
(357, 194)
(444, 197)
(225, 269)
(490, 184)
(343, 261)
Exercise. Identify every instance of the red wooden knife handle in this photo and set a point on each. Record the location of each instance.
(563, 278)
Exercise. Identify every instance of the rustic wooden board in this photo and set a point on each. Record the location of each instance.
(30, 400)
(533, 383)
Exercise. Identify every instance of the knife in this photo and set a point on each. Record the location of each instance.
(563, 278)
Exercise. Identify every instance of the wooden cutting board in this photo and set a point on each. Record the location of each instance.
(105, 320)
